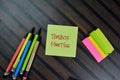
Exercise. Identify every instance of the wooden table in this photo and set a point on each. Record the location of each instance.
(17, 17)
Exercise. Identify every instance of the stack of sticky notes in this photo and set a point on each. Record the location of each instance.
(98, 45)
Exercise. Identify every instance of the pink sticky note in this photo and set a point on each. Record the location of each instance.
(92, 49)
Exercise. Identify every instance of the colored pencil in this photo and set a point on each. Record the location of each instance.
(14, 57)
(15, 74)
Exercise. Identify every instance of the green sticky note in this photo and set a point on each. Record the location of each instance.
(61, 40)
(102, 41)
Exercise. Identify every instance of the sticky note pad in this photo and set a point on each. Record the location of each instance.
(61, 40)
(102, 41)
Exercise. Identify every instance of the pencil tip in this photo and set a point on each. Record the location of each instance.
(33, 30)
(39, 32)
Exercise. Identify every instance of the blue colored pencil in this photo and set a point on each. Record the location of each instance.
(15, 74)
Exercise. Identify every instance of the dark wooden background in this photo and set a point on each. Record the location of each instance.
(17, 17)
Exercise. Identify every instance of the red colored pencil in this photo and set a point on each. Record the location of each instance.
(14, 57)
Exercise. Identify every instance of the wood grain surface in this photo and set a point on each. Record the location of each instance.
(17, 17)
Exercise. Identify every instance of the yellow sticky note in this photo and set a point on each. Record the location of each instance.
(61, 40)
